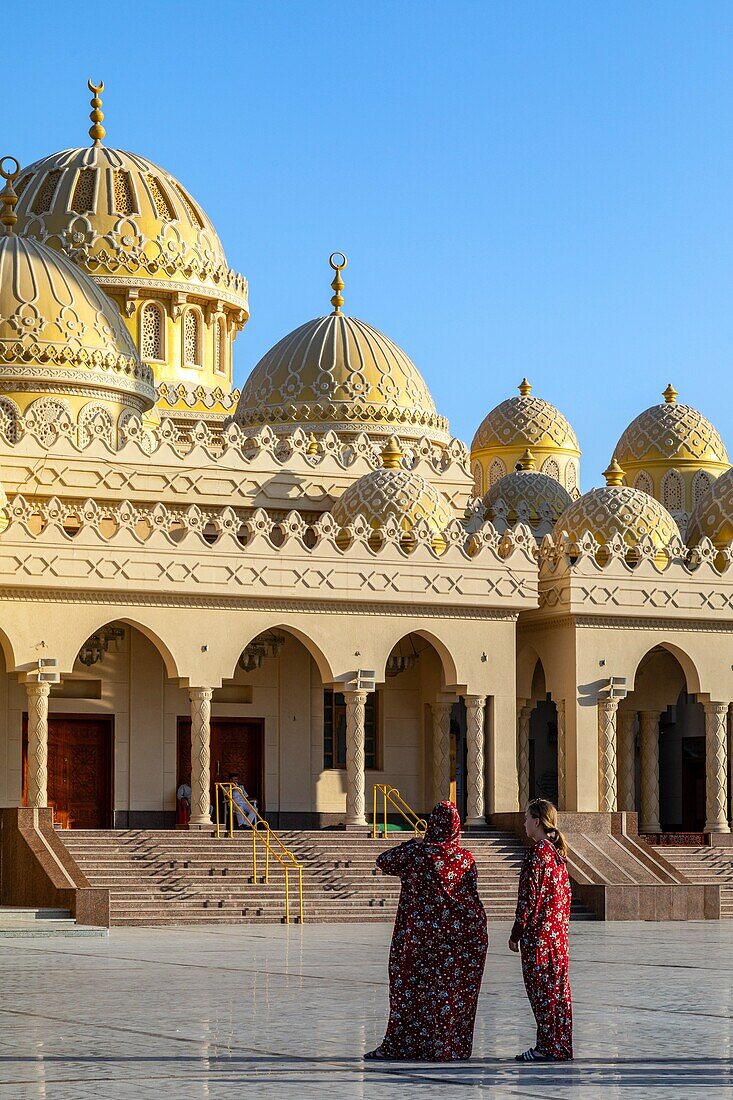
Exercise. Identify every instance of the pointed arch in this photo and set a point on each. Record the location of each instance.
(673, 491)
(68, 652)
(644, 482)
(323, 664)
(448, 665)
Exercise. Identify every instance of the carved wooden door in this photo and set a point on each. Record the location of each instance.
(80, 757)
(236, 746)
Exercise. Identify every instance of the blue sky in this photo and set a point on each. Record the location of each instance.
(539, 188)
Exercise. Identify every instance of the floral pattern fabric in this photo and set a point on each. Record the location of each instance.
(541, 929)
(438, 947)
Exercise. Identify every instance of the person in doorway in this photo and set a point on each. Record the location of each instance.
(541, 929)
(243, 811)
(439, 946)
(183, 802)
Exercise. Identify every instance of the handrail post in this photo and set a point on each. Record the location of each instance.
(384, 793)
(216, 800)
(300, 889)
(374, 812)
(287, 897)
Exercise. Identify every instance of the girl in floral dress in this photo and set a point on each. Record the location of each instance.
(541, 928)
(439, 946)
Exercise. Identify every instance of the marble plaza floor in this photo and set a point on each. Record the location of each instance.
(280, 1013)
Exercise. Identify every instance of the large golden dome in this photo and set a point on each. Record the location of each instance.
(392, 492)
(713, 514)
(137, 231)
(527, 496)
(119, 215)
(518, 423)
(60, 334)
(618, 509)
(338, 373)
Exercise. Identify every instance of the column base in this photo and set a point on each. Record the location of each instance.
(475, 823)
(654, 827)
(357, 827)
(717, 827)
(195, 826)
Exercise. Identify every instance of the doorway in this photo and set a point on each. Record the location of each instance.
(80, 761)
(237, 745)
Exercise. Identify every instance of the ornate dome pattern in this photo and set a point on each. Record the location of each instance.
(618, 509)
(337, 372)
(525, 421)
(120, 216)
(56, 324)
(670, 433)
(396, 493)
(528, 496)
(713, 514)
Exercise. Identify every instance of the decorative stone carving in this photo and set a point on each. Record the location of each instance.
(441, 712)
(607, 789)
(38, 694)
(562, 796)
(626, 755)
(200, 757)
(716, 767)
(355, 758)
(475, 712)
(524, 715)
(649, 736)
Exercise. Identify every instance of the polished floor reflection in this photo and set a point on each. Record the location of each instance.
(278, 1012)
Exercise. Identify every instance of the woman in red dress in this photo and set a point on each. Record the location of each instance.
(439, 946)
(541, 928)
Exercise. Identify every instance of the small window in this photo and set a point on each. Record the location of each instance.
(700, 485)
(124, 201)
(551, 468)
(160, 199)
(219, 347)
(673, 491)
(644, 482)
(151, 332)
(478, 480)
(571, 478)
(82, 201)
(191, 338)
(334, 730)
(497, 469)
(44, 198)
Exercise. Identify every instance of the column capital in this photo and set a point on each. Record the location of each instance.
(716, 708)
(195, 693)
(609, 705)
(39, 689)
(475, 700)
(356, 695)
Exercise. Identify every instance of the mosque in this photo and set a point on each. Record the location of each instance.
(311, 582)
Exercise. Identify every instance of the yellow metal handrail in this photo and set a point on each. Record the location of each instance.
(391, 796)
(271, 842)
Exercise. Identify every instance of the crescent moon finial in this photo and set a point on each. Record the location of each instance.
(338, 262)
(96, 130)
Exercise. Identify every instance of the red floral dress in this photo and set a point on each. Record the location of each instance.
(439, 945)
(541, 927)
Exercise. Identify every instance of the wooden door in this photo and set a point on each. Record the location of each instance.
(80, 760)
(237, 745)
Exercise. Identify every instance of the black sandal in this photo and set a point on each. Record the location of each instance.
(531, 1055)
(376, 1055)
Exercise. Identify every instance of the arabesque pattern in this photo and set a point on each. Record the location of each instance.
(670, 432)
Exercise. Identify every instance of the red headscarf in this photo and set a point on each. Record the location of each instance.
(442, 845)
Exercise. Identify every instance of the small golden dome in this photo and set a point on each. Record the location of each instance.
(58, 329)
(670, 434)
(713, 514)
(526, 421)
(338, 373)
(526, 492)
(618, 509)
(396, 493)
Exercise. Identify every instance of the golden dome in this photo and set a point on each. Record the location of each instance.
(60, 333)
(618, 509)
(671, 434)
(526, 421)
(122, 217)
(527, 494)
(396, 493)
(713, 514)
(338, 373)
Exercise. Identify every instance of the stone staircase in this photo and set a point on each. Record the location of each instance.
(708, 866)
(158, 877)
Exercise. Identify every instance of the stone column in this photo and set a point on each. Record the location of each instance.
(524, 714)
(716, 768)
(562, 795)
(649, 736)
(200, 757)
(355, 713)
(476, 808)
(607, 779)
(730, 762)
(626, 731)
(441, 712)
(37, 743)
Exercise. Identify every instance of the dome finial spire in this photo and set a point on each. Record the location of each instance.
(524, 388)
(8, 217)
(670, 394)
(96, 130)
(614, 475)
(338, 262)
(527, 461)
